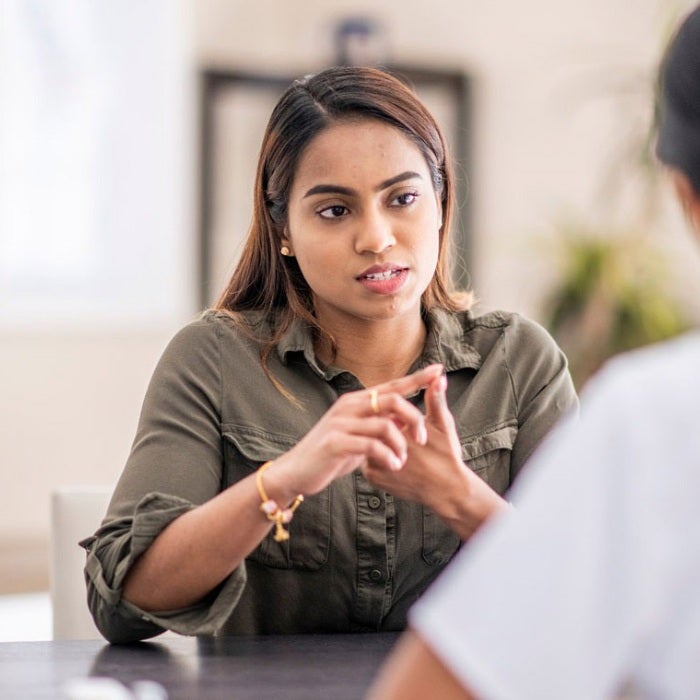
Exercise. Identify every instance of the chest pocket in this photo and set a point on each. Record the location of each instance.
(487, 454)
(245, 450)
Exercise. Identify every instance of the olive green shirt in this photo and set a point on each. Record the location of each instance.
(357, 558)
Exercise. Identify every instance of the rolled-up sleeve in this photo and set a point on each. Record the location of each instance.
(175, 465)
(110, 554)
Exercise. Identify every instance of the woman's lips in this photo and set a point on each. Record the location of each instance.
(383, 279)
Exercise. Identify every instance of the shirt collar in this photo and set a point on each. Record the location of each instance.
(299, 339)
(445, 343)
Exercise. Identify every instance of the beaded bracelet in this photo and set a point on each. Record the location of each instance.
(272, 511)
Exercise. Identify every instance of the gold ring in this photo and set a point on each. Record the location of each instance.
(374, 401)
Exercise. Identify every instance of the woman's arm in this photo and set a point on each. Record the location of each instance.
(414, 672)
(199, 549)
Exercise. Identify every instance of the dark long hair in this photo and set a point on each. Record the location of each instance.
(678, 115)
(264, 279)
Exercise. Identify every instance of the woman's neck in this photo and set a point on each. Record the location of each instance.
(375, 352)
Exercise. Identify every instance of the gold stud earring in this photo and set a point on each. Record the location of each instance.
(285, 251)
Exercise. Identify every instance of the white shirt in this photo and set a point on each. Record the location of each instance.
(594, 580)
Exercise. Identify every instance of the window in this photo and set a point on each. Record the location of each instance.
(95, 147)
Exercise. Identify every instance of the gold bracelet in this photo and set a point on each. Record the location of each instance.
(272, 511)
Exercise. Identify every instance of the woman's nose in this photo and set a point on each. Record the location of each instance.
(374, 233)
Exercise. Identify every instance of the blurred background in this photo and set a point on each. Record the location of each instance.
(128, 136)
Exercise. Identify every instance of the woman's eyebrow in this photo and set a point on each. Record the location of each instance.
(330, 189)
(340, 189)
(408, 175)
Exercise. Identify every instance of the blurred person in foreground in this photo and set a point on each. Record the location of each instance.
(591, 587)
(313, 451)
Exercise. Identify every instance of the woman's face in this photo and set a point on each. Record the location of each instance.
(364, 222)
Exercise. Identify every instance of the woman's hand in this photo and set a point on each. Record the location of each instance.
(434, 473)
(375, 425)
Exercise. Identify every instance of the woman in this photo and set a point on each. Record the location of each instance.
(342, 285)
(612, 589)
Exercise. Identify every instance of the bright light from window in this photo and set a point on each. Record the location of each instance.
(95, 145)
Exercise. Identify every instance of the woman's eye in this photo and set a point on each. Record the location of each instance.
(334, 212)
(403, 200)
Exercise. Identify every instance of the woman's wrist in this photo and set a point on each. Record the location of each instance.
(277, 483)
(469, 503)
(280, 515)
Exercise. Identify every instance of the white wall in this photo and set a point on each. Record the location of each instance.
(548, 112)
(96, 216)
(69, 407)
(550, 101)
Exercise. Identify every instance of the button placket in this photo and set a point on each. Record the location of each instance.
(371, 554)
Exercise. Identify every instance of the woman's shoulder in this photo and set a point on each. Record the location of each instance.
(510, 326)
(217, 323)
(521, 343)
(524, 348)
(204, 333)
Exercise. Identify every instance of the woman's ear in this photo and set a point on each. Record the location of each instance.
(286, 245)
(689, 199)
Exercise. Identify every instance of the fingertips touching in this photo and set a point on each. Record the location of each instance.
(421, 434)
(386, 458)
(438, 386)
(436, 395)
(395, 464)
(441, 385)
(389, 450)
(430, 372)
(419, 378)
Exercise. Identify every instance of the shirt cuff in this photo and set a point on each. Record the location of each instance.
(111, 553)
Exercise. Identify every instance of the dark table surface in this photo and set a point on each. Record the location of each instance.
(294, 667)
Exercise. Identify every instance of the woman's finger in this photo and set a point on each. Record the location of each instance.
(380, 428)
(404, 413)
(437, 412)
(365, 446)
(388, 398)
(371, 402)
(411, 383)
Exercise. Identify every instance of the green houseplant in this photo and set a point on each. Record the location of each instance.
(611, 296)
(612, 291)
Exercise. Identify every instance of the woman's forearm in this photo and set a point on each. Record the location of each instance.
(198, 550)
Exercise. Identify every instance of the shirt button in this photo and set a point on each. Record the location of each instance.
(374, 502)
(376, 575)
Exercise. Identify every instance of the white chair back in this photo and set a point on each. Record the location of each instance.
(76, 512)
